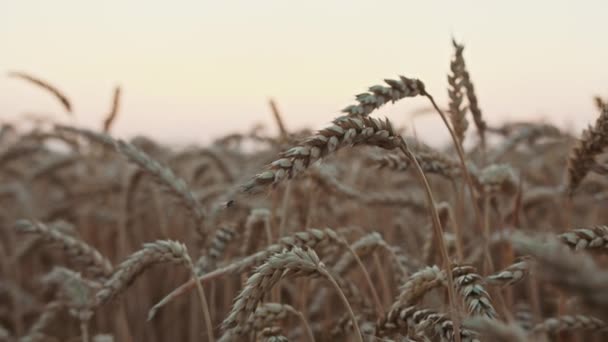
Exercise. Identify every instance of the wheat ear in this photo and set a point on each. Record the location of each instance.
(92, 260)
(294, 262)
(343, 132)
(380, 95)
(456, 94)
(582, 158)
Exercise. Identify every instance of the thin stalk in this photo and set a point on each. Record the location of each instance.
(385, 288)
(84, 330)
(309, 334)
(457, 234)
(439, 237)
(204, 305)
(346, 304)
(368, 279)
(489, 264)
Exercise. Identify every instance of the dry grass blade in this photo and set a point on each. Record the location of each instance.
(279, 120)
(109, 120)
(45, 85)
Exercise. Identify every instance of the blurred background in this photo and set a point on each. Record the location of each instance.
(194, 70)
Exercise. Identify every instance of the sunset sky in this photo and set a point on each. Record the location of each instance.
(193, 70)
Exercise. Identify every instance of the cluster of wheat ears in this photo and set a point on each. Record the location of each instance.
(385, 239)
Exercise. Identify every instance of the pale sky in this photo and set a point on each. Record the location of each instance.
(193, 70)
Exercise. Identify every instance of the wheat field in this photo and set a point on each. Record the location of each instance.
(357, 232)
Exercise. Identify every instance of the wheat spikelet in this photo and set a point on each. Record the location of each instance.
(511, 275)
(344, 131)
(419, 284)
(217, 246)
(571, 323)
(45, 85)
(379, 95)
(586, 238)
(92, 261)
(272, 334)
(456, 94)
(109, 120)
(582, 158)
(477, 300)
(220, 241)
